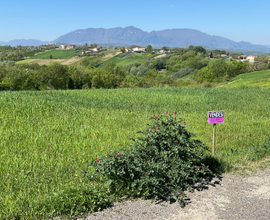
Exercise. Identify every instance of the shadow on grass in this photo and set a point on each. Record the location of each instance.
(216, 165)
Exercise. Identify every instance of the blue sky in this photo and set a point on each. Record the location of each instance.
(48, 19)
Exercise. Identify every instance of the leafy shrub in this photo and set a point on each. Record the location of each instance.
(183, 72)
(163, 162)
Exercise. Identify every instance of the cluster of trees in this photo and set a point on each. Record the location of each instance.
(57, 76)
(8, 53)
(219, 70)
(141, 68)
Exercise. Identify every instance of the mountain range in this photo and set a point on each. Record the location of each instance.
(135, 36)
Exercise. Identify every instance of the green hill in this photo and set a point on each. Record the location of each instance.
(253, 79)
(126, 60)
(57, 54)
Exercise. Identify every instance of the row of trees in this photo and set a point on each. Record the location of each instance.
(8, 53)
(57, 76)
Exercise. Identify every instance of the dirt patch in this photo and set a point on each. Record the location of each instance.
(159, 56)
(109, 56)
(71, 60)
(235, 197)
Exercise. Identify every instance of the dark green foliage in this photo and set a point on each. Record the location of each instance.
(200, 49)
(183, 72)
(162, 163)
(214, 72)
(57, 75)
(122, 49)
(70, 84)
(125, 55)
(165, 48)
(149, 48)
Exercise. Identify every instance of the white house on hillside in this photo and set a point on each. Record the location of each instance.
(139, 50)
(251, 58)
(62, 47)
(71, 46)
(223, 56)
(96, 49)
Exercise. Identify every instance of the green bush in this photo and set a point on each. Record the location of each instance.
(163, 162)
(183, 72)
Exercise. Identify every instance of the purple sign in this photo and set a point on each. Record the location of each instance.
(215, 117)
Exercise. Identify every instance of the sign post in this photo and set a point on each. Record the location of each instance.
(215, 117)
(214, 138)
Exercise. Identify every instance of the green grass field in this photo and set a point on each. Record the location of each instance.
(25, 61)
(56, 54)
(253, 79)
(124, 61)
(48, 137)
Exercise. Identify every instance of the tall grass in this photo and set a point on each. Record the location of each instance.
(48, 137)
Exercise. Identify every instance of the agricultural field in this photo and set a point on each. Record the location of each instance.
(253, 79)
(48, 137)
(124, 61)
(56, 54)
(25, 61)
(40, 61)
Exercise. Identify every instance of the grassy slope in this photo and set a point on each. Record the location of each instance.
(47, 137)
(56, 54)
(25, 61)
(253, 79)
(124, 61)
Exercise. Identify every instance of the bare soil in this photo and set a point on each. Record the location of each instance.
(159, 56)
(71, 60)
(110, 55)
(46, 61)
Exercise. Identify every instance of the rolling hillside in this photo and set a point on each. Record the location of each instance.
(124, 61)
(253, 79)
(56, 54)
